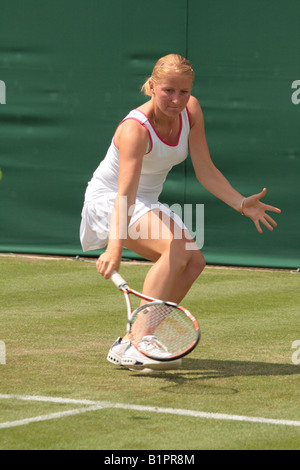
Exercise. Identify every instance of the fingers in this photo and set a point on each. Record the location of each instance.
(106, 271)
(267, 221)
(266, 224)
(267, 206)
(263, 221)
(263, 217)
(257, 225)
(105, 267)
(272, 221)
(272, 209)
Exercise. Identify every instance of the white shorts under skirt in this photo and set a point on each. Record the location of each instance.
(96, 215)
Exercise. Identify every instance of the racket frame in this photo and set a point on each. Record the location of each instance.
(123, 286)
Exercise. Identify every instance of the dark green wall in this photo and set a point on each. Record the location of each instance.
(73, 69)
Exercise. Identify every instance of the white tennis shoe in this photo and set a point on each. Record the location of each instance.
(123, 354)
(135, 360)
(117, 351)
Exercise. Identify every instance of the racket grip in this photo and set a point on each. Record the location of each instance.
(118, 280)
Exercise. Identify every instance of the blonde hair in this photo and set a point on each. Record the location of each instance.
(164, 66)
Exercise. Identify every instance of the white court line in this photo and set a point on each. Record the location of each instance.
(48, 417)
(98, 405)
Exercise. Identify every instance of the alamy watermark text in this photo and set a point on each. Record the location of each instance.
(2, 92)
(2, 353)
(296, 353)
(190, 216)
(296, 93)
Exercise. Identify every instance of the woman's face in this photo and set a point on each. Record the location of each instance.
(171, 95)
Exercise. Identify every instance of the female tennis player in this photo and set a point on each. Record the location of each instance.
(121, 207)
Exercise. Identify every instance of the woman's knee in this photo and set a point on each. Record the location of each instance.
(186, 256)
(188, 264)
(197, 263)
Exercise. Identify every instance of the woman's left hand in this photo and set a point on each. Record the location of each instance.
(253, 208)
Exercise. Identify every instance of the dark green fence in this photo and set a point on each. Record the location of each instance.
(70, 70)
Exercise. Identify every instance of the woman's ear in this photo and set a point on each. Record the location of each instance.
(151, 86)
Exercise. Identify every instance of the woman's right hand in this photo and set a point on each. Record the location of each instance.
(109, 261)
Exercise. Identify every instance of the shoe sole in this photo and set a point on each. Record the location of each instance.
(158, 366)
(148, 371)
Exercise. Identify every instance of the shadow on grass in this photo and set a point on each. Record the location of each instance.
(193, 372)
(211, 368)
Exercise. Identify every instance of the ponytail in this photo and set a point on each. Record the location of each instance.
(146, 88)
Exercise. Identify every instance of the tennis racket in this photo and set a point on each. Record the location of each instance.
(163, 331)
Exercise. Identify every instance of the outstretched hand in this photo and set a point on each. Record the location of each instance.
(253, 208)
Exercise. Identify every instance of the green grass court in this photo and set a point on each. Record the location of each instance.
(59, 318)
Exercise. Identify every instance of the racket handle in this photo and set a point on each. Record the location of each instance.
(118, 280)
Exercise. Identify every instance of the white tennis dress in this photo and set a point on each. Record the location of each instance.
(102, 190)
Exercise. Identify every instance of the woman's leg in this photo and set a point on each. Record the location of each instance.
(176, 265)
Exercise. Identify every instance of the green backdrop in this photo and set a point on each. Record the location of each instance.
(73, 69)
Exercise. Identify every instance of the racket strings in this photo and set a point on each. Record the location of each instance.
(171, 329)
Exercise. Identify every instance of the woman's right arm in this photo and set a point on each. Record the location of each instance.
(131, 139)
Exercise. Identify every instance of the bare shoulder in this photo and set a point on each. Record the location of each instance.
(131, 132)
(195, 111)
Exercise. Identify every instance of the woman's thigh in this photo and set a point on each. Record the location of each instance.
(156, 233)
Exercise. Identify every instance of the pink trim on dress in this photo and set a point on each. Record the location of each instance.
(166, 143)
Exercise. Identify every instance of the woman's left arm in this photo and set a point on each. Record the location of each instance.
(215, 182)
